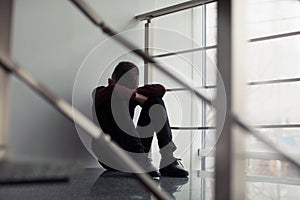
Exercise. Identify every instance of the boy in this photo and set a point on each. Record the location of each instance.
(114, 106)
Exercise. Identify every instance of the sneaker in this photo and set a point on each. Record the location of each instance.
(155, 175)
(150, 169)
(175, 169)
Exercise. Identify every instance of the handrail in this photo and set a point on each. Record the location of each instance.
(82, 121)
(172, 9)
(81, 4)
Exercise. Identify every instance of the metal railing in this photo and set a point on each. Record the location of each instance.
(67, 110)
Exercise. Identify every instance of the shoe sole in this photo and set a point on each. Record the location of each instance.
(173, 175)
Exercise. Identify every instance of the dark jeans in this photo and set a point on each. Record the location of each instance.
(163, 131)
(147, 126)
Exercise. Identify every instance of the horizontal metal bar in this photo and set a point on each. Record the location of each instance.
(192, 128)
(278, 126)
(267, 155)
(268, 126)
(253, 83)
(250, 155)
(185, 89)
(185, 51)
(257, 178)
(288, 80)
(137, 51)
(172, 9)
(271, 37)
(180, 89)
(273, 179)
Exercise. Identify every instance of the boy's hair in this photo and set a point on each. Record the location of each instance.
(130, 80)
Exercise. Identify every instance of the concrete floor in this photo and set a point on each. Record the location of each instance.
(99, 184)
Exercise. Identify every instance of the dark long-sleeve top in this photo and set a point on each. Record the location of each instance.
(102, 102)
(103, 93)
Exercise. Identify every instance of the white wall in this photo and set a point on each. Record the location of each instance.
(51, 39)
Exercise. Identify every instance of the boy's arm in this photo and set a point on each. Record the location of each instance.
(140, 98)
(153, 90)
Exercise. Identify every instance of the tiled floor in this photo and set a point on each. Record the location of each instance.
(98, 184)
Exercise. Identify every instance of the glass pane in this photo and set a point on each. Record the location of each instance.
(211, 24)
(172, 32)
(274, 59)
(284, 138)
(211, 67)
(179, 108)
(268, 176)
(260, 189)
(272, 17)
(273, 103)
(180, 65)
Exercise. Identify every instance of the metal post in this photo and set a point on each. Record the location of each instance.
(229, 169)
(5, 27)
(229, 163)
(204, 107)
(147, 65)
(203, 135)
(147, 69)
(223, 151)
(239, 42)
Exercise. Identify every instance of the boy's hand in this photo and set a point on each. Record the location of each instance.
(140, 98)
